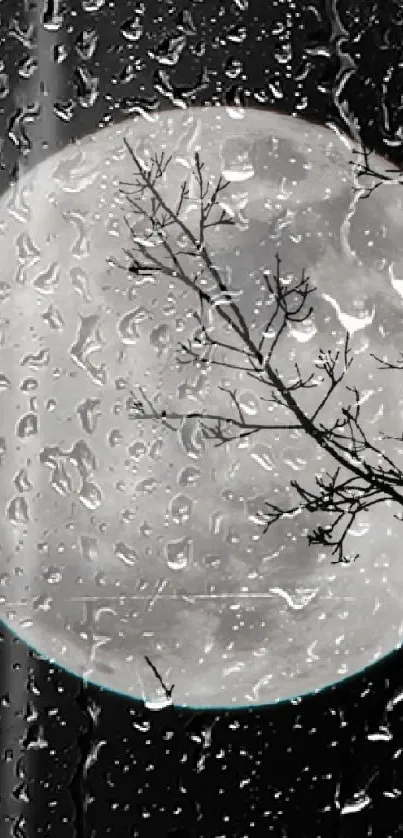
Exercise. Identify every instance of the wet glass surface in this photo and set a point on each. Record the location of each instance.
(196, 514)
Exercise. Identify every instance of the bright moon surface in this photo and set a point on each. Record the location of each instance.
(121, 538)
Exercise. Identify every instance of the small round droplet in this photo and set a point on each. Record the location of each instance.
(248, 403)
(181, 509)
(192, 438)
(189, 476)
(53, 318)
(5, 291)
(90, 495)
(52, 575)
(46, 281)
(115, 438)
(5, 383)
(179, 553)
(137, 449)
(125, 553)
(159, 338)
(147, 486)
(89, 548)
(127, 326)
(27, 426)
(89, 414)
(21, 481)
(29, 384)
(17, 510)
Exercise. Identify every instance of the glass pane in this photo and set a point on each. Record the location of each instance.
(201, 451)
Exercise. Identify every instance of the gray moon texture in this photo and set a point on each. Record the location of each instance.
(121, 539)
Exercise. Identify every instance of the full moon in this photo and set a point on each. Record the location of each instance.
(124, 541)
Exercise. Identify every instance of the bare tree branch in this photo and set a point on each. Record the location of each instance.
(167, 690)
(363, 169)
(364, 474)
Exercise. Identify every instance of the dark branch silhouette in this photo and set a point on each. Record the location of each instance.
(167, 690)
(363, 169)
(363, 475)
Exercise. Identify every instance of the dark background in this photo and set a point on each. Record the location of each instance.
(76, 761)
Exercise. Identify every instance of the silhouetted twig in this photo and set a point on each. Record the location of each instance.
(364, 169)
(364, 475)
(167, 690)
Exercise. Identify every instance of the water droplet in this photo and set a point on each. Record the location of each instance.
(305, 331)
(89, 548)
(27, 67)
(28, 385)
(192, 390)
(80, 246)
(159, 338)
(53, 575)
(147, 486)
(262, 455)
(87, 87)
(212, 561)
(5, 291)
(42, 603)
(76, 173)
(46, 281)
(26, 249)
(145, 529)
(21, 275)
(86, 43)
(248, 403)
(53, 318)
(179, 553)
(5, 383)
(83, 458)
(17, 510)
(21, 481)
(92, 5)
(256, 509)
(189, 476)
(127, 325)
(290, 458)
(80, 283)
(63, 110)
(216, 521)
(125, 553)
(89, 414)
(127, 516)
(115, 438)
(28, 425)
(132, 29)
(36, 362)
(181, 509)
(191, 438)
(60, 480)
(89, 341)
(360, 528)
(155, 448)
(4, 328)
(158, 702)
(236, 34)
(4, 85)
(90, 495)
(169, 50)
(232, 537)
(137, 449)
